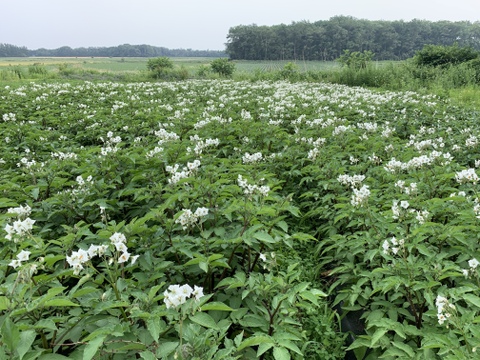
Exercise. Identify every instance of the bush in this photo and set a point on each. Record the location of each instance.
(356, 59)
(223, 67)
(441, 56)
(160, 67)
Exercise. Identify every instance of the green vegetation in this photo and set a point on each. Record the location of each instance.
(153, 208)
(326, 40)
(222, 67)
(356, 60)
(222, 219)
(442, 56)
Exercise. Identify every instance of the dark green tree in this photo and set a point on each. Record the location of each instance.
(223, 67)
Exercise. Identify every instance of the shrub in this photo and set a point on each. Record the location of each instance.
(223, 67)
(160, 67)
(356, 59)
(438, 55)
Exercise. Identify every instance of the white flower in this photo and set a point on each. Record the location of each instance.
(133, 259)
(124, 257)
(15, 263)
(473, 263)
(197, 292)
(360, 196)
(23, 255)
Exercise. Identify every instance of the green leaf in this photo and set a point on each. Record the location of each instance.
(26, 340)
(377, 336)
(154, 327)
(4, 303)
(472, 299)
(280, 353)
(262, 348)
(407, 349)
(204, 320)
(92, 347)
(148, 355)
(167, 348)
(255, 340)
(59, 303)
(307, 295)
(10, 334)
(215, 305)
(46, 324)
(53, 357)
(292, 346)
(265, 237)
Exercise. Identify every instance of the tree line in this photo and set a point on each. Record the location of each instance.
(125, 50)
(327, 39)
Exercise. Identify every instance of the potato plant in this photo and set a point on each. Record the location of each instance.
(218, 219)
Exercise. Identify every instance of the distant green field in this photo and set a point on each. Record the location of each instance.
(139, 64)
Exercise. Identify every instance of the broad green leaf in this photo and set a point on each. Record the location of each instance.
(378, 335)
(263, 236)
(10, 334)
(472, 299)
(292, 346)
(46, 324)
(154, 327)
(147, 355)
(92, 347)
(26, 340)
(255, 340)
(204, 320)
(407, 349)
(4, 303)
(215, 305)
(280, 353)
(53, 357)
(166, 348)
(59, 303)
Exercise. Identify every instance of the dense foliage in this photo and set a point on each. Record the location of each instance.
(125, 50)
(327, 39)
(226, 220)
(435, 55)
(223, 67)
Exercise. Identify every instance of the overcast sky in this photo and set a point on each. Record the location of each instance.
(195, 24)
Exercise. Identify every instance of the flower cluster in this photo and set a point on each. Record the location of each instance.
(353, 180)
(186, 172)
(466, 176)
(154, 152)
(189, 218)
(26, 163)
(20, 227)
(177, 295)
(393, 246)
(64, 156)
(249, 189)
(399, 210)
(21, 256)
(164, 136)
(269, 260)
(201, 144)
(444, 309)
(360, 196)
(394, 166)
(473, 264)
(110, 144)
(253, 158)
(80, 257)
(407, 189)
(9, 117)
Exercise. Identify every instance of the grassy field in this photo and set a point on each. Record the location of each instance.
(388, 75)
(140, 64)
